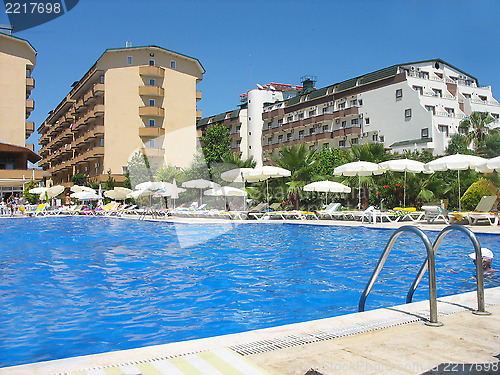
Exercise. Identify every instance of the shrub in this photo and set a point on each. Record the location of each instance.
(475, 192)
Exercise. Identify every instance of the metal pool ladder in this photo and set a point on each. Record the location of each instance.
(429, 264)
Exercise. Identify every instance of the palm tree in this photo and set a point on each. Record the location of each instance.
(300, 162)
(476, 126)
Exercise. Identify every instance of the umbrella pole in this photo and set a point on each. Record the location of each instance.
(404, 192)
(267, 193)
(459, 202)
(244, 197)
(359, 191)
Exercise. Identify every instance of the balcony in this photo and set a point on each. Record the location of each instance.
(99, 110)
(29, 127)
(151, 91)
(198, 96)
(198, 115)
(151, 111)
(30, 84)
(30, 106)
(153, 71)
(151, 132)
(153, 152)
(99, 89)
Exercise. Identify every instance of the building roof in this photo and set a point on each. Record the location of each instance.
(366, 79)
(411, 142)
(31, 156)
(20, 39)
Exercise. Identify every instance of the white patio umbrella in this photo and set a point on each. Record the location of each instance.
(265, 173)
(38, 190)
(85, 196)
(200, 184)
(359, 168)
(404, 165)
(78, 188)
(118, 193)
(52, 192)
(236, 175)
(139, 193)
(327, 187)
(488, 167)
(457, 162)
(226, 191)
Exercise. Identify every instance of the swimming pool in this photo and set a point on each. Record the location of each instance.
(77, 285)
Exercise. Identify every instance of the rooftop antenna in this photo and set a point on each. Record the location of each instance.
(128, 44)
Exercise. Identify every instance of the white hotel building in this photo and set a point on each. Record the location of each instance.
(412, 106)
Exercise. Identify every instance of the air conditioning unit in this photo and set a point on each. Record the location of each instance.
(337, 121)
(412, 68)
(313, 107)
(360, 115)
(418, 69)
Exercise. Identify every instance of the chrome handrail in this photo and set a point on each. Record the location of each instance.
(429, 261)
(479, 267)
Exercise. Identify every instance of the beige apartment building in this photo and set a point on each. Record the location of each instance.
(17, 61)
(133, 99)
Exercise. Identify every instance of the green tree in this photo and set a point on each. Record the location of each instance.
(328, 159)
(31, 198)
(476, 126)
(80, 179)
(167, 173)
(236, 161)
(300, 162)
(139, 169)
(216, 143)
(110, 182)
(490, 147)
(458, 144)
(476, 191)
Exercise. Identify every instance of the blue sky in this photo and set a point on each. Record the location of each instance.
(242, 43)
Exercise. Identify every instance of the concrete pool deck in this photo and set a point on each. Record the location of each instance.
(389, 340)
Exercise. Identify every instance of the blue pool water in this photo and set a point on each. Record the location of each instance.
(77, 286)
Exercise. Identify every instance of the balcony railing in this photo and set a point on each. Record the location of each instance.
(151, 91)
(153, 151)
(30, 84)
(151, 132)
(154, 71)
(29, 127)
(198, 96)
(151, 111)
(30, 106)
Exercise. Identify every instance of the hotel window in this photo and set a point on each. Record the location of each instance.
(301, 115)
(101, 79)
(399, 93)
(101, 142)
(311, 147)
(354, 121)
(129, 60)
(341, 105)
(270, 140)
(408, 113)
(450, 111)
(419, 89)
(289, 119)
(152, 82)
(152, 103)
(173, 64)
(443, 129)
(289, 137)
(152, 123)
(325, 128)
(468, 96)
(381, 138)
(151, 143)
(280, 138)
(280, 122)
(495, 116)
(367, 121)
(431, 108)
(344, 124)
(325, 109)
(462, 131)
(151, 63)
(354, 141)
(342, 143)
(124, 169)
(312, 131)
(301, 134)
(483, 98)
(425, 133)
(360, 102)
(312, 113)
(438, 93)
(97, 165)
(353, 103)
(375, 137)
(424, 75)
(326, 145)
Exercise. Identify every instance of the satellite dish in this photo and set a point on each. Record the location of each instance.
(260, 86)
